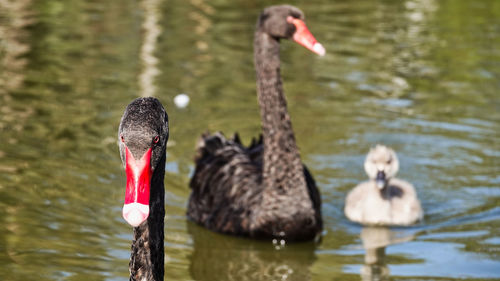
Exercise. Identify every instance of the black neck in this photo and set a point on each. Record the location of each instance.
(147, 256)
(282, 167)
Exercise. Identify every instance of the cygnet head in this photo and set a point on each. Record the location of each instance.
(381, 164)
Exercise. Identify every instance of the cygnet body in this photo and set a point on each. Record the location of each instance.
(384, 199)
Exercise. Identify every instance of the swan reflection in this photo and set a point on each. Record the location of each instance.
(375, 240)
(222, 257)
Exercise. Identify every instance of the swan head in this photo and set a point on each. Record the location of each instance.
(288, 22)
(381, 165)
(142, 139)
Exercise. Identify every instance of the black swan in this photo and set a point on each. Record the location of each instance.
(261, 191)
(384, 199)
(142, 139)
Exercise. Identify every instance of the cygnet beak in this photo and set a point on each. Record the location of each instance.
(381, 180)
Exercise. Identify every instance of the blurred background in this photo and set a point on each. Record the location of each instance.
(421, 76)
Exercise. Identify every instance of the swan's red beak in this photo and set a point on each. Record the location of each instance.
(136, 206)
(304, 37)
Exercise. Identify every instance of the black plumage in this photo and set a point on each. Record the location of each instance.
(263, 190)
(144, 125)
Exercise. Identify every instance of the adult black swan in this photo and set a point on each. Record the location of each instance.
(142, 139)
(264, 190)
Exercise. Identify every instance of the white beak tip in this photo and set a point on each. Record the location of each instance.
(135, 213)
(319, 49)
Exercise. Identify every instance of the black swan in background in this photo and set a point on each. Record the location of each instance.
(143, 136)
(384, 199)
(264, 190)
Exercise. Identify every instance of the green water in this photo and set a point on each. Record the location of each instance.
(421, 76)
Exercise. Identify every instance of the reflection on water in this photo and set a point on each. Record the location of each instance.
(15, 16)
(151, 32)
(375, 240)
(417, 75)
(241, 259)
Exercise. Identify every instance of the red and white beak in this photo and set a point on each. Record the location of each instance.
(136, 206)
(304, 37)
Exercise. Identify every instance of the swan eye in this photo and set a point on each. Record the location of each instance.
(156, 139)
(122, 138)
(389, 161)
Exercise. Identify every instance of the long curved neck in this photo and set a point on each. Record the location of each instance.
(147, 251)
(282, 167)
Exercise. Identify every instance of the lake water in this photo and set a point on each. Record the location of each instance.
(422, 76)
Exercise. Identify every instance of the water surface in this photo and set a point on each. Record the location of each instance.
(421, 76)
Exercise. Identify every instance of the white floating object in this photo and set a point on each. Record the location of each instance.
(181, 100)
(400, 82)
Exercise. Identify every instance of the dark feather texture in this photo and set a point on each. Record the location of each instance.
(227, 194)
(143, 121)
(263, 190)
